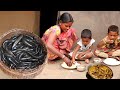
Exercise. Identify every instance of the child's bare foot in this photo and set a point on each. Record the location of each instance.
(118, 58)
(87, 61)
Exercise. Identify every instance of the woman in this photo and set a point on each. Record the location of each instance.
(60, 38)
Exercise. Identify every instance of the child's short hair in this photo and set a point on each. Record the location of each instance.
(113, 28)
(65, 18)
(86, 33)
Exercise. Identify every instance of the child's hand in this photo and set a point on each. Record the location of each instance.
(110, 41)
(82, 56)
(73, 60)
(110, 54)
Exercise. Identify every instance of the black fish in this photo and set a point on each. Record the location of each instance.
(17, 40)
(23, 52)
(5, 47)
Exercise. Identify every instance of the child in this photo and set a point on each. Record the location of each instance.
(83, 51)
(60, 38)
(110, 45)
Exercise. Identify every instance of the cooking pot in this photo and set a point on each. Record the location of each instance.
(99, 71)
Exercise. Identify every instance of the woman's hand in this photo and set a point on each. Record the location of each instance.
(67, 61)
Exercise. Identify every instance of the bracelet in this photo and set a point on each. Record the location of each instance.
(63, 56)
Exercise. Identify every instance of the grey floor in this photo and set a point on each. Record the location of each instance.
(55, 71)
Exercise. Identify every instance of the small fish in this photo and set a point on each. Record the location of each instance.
(27, 43)
(29, 60)
(17, 40)
(25, 58)
(37, 57)
(4, 45)
(23, 52)
(29, 37)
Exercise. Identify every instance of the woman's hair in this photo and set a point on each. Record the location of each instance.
(113, 28)
(65, 18)
(86, 33)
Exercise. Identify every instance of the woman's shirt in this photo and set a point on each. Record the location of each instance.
(64, 40)
(55, 29)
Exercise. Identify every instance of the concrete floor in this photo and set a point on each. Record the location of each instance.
(98, 22)
(55, 71)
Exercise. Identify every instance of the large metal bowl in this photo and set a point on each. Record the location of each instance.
(99, 71)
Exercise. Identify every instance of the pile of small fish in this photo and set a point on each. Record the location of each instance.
(22, 52)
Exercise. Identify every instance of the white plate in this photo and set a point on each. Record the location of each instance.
(111, 61)
(64, 65)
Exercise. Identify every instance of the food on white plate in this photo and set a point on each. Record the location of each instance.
(64, 65)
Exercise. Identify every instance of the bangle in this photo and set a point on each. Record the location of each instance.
(63, 56)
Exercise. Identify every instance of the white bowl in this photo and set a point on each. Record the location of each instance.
(81, 68)
(97, 60)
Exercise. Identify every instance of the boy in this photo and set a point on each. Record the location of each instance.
(83, 50)
(110, 45)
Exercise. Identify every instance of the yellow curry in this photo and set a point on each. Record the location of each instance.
(100, 71)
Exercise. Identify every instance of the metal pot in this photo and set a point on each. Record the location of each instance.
(89, 76)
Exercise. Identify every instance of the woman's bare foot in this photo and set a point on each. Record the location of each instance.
(87, 61)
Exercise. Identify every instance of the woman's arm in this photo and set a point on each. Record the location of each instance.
(51, 39)
(74, 52)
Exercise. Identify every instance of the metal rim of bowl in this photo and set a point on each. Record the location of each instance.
(95, 65)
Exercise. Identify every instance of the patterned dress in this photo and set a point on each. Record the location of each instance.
(63, 42)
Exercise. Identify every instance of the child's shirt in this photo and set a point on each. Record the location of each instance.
(107, 45)
(83, 47)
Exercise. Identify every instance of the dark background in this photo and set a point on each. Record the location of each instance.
(48, 18)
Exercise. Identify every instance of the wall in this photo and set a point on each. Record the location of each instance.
(97, 21)
(28, 20)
